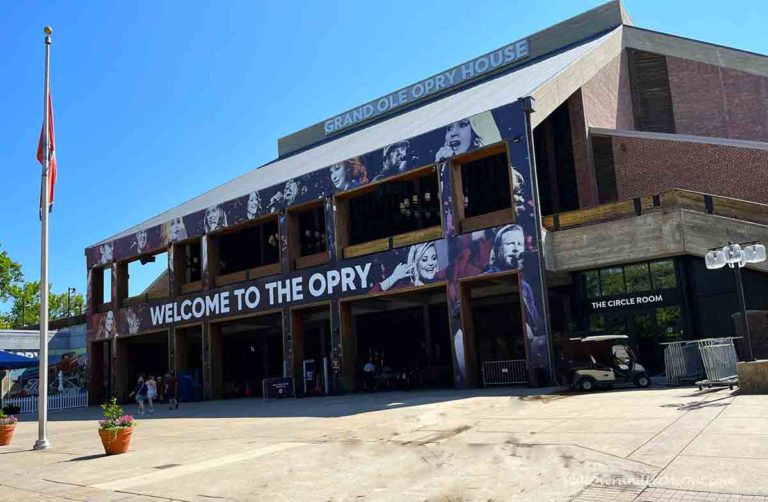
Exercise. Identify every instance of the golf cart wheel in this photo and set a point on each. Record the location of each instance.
(587, 384)
(642, 381)
(701, 387)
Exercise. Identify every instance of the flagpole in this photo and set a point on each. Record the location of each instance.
(42, 442)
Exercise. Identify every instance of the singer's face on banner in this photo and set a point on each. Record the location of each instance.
(106, 253)
(339, 176)
(458, 136)
(291, 191)
(109, 324)
(178, 232)
(254, 203)
(396, 154)
(512, 246)
(141, 239)
(428, 265)
(212, 217)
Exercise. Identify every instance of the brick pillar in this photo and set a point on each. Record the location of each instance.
(582, 152)
(288, 343)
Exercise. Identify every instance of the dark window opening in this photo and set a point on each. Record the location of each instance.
(605, 172)
(395, 208)
(192, 262)
(485, 184)
(556, 173)
(312, 231)
(252, 247)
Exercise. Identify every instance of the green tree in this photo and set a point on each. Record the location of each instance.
(65, 304)
(10, 275)
(25, 309)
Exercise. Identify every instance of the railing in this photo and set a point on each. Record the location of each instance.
(505, 372)
(672, 199)
(56, 402)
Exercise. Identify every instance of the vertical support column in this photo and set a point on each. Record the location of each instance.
(285, 255)
(533, 287)
(336, 355)
(118, 386)
(330, 230)
(448, 192)
(205, 261)
(458, 343)
(285, 268)
(113, 285)
(288, 344)
(118, 383)
(207, 367)
(89, 336)
(172, 291)
(172, 349)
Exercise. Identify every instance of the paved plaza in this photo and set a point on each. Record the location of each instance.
(501, 444)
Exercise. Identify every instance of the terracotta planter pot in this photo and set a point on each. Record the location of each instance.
(6, 433)
(116, 441)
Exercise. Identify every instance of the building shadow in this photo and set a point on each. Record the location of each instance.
(318, 407)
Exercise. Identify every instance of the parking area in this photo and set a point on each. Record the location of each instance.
(495, 444)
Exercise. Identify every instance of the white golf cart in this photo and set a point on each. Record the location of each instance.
(601, 361)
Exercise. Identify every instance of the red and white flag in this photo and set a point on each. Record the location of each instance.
(51, 156)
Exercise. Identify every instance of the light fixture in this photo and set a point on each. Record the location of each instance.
(737, 257)
(732, 253)
(754, 253)
(714, 259)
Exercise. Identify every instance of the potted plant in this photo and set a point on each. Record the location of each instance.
(116, 428)
(7, 426)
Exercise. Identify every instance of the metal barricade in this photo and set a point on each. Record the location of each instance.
(505, 372)
(682, 362)
(719, 357)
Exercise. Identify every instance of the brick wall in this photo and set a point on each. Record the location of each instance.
(605, 101)
(712, 101)
(607, 97)
(648, 166)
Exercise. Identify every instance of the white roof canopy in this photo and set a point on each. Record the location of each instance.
(505, 89)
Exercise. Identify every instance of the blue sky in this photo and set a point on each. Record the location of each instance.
(156, 102)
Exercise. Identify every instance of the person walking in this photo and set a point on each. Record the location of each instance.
(140, 391)
(151, 392)
(170, 391)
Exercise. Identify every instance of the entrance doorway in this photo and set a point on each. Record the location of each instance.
(243, 353)
(311, 344)
(493, 320)
(189, 363)
(140, 355)
(405, 336)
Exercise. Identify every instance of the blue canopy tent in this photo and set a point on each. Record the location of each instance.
(10, 361)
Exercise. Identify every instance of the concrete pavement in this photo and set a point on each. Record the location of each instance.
(500, 444)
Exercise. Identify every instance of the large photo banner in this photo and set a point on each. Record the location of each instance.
(394, 159)
(504, 248)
